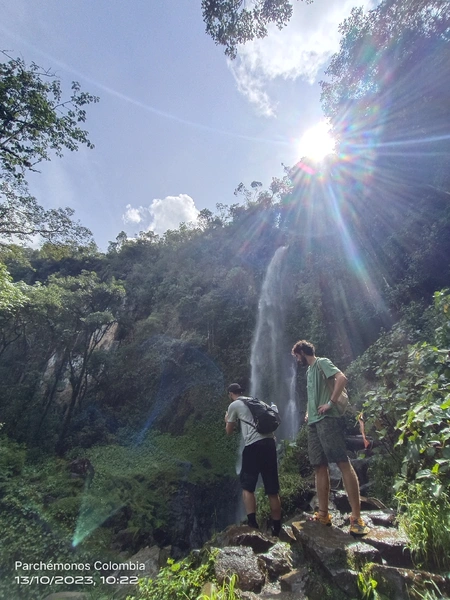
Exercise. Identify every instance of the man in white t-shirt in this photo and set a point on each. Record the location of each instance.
(258, 457)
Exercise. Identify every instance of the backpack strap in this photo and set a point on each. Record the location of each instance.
(243, 420)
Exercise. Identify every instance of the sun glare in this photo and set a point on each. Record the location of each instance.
(316, 142)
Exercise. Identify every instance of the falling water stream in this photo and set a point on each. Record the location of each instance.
(273, 369)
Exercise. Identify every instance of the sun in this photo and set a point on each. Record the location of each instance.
(316, 142)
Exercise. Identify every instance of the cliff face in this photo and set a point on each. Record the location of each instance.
(198, 511)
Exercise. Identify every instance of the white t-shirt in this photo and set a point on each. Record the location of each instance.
(238, 411)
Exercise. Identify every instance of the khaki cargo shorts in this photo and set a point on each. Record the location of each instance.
(326, 442)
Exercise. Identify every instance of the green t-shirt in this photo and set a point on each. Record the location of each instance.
(319, 390)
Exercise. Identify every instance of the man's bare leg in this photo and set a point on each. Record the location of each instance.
(351, 484)
(275, 513)
(250, 507)
(275, 506)
(323, 488)
(249, 501)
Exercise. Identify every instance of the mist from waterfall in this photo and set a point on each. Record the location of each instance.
(273, 369)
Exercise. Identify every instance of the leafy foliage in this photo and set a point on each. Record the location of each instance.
(34, 119)
(384, 94)
(179, 581)
(408, 411)
(22, 218)
(426, 520)
(367, 585)
(34, 122)
(11, 294)
(38, 508)
(230, 23)
(124, 357)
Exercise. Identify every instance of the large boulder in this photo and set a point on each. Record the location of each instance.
(150, 557)
(392, 545)
(241, 561)
(338, 554)
(243, 535)
(277, 561)
(396, 584)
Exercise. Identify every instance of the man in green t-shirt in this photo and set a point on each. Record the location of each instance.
(326, 441)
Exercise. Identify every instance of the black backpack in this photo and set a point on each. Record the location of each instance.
(266, 418)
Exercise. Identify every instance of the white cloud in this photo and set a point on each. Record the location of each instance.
(163, 214)
(251, 86)
(134, 215)
(299, 50)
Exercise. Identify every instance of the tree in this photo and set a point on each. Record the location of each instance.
(387, 95)
(11, 295)
(397, 52)
(34, 122)
(230, 23)
(34, 119)
(22, 218)
(87, 311)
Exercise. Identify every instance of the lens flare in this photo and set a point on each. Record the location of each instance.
(316, 142)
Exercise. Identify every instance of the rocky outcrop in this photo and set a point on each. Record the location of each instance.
(313, 558)
(309, 561)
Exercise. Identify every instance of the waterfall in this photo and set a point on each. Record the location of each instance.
(273, 369)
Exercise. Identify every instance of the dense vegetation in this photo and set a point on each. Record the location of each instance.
(122, 358)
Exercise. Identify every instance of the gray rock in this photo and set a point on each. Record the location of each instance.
(295, 581)
(371, 503)
(277, 561)
(396, 583)
(243, 562)
(384, 517)
(242, 535)
(286, 535)
(361, 466)
(340, 500)
(147, 556)
(338, 554)
(391, 544)
(335, 476)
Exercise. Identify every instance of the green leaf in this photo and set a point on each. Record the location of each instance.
(423, 473)
(436, 489)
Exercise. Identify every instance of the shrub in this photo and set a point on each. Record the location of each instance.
(408, 410)
(12, 458)
(426, 521)
(178, 580)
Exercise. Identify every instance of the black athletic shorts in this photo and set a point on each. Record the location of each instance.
(260, 458)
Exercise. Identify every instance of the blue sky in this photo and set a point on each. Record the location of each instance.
(178, 126)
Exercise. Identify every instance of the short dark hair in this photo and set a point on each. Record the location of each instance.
(304, 346)
(235, 388)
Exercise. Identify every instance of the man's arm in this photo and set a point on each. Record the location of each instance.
(229, 427)
(340, 381)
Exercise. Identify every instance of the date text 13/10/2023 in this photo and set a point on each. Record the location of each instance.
(76, 580)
